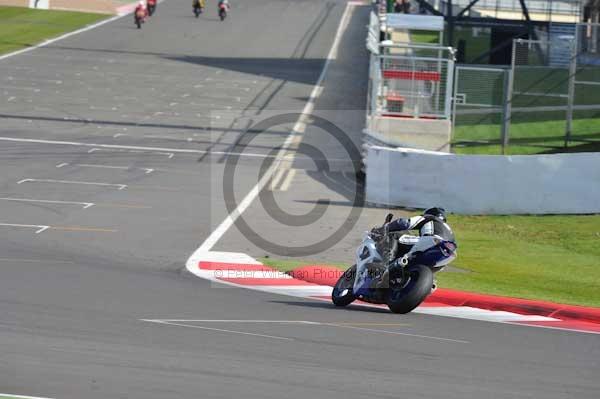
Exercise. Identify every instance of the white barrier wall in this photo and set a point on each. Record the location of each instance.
(484, 184)
(42, 4)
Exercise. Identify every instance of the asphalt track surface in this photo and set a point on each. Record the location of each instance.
(72, 296)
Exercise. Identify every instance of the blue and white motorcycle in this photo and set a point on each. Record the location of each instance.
(396, 270)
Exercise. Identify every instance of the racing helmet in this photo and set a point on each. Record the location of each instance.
(436, 212)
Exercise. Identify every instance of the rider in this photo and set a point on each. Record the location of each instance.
(198, 3)
(431, 223)
(224, 2)
(141, 7)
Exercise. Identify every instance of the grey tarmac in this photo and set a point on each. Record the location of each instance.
(73, 297)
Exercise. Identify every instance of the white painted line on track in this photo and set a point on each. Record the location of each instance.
(87, 165)
(235, 321)
(288, 180)
(119, 186)
(168, 154)
(132, 147)
(460, 341)
(40, 228)
(10, 396)
(216, 329)
(85, 205)
(220, 231)
(184, 323)
(467, 312)
(276, 179)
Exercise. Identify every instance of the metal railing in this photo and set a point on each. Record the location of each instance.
(412, 81)
(548, 98)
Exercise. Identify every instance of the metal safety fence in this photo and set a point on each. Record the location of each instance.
(480, 107)
(546, 100)
(412, 81)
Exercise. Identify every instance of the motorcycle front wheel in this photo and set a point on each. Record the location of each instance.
(342, 294)
(414, 289)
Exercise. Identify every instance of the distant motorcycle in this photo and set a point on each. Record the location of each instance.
(198, 8)
(151, 5)
(395, 270)
(223, 8)
(139, 17)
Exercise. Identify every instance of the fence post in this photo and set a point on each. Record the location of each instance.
(571, 93)
(376, 85)
(509, 80)
(449, 87)
(456, 78)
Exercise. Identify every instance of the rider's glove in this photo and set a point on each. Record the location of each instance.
(380, 231)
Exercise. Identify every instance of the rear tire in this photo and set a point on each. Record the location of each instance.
(405, 299)
(342, 294)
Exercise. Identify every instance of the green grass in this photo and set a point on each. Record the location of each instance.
(527, 137)
(24, 27)
(530, 132)
(474, 46)
(286, 265)
(424, 36)
(554, 258)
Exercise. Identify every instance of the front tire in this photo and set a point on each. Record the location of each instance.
(342, 294)
(404, 299)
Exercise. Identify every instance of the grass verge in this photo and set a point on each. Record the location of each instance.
(528, 137)
(424, 36)
(554, 258)
(24, 27)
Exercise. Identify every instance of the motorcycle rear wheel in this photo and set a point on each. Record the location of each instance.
(342, 294)
(403, 299)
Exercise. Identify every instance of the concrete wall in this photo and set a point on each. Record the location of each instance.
(97, 6)
(15, 3)
(484, 184)
(427, 134)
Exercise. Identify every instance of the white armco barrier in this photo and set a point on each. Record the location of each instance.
(484, 184)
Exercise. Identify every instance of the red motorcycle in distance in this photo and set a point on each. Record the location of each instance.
(151, 5)
(223, 8)
(140, 15)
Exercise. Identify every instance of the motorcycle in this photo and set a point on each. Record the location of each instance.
(223, 8)
(198, 8)
(151, 5)
(139, 17)
(396, 270)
